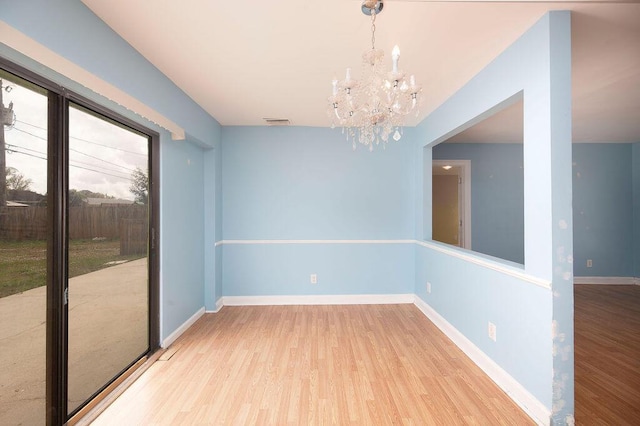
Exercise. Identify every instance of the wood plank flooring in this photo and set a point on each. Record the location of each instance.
(607, 354)
(362, 364)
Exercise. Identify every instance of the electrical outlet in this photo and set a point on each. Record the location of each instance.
(492, 331)
(589, 263)
(428, 287)
(313, 278)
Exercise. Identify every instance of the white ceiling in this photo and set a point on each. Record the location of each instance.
(506, 126)
(245, 60)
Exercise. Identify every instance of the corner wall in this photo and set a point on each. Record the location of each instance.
(298, 201)
(69, 29)
(532, 307)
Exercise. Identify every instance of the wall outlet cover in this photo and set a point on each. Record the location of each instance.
(492, 331)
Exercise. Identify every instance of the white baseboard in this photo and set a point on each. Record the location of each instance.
(188, 323)
(529, 403)
(339, 299)
(607, 280)
(217, 308)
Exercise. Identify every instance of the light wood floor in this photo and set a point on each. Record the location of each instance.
(365, 365)
(607, 354)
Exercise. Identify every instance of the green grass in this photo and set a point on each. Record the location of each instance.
(23, 264)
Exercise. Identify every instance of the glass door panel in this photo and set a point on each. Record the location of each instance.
(108, 322)
(23, 251)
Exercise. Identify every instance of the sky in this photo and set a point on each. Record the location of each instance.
(102, 155)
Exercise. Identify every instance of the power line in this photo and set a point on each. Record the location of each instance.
(76, 161)
(30, 134)
(100, 159)
(98, 171)
(110, 147)
(79, 152)
(13, 150)
(28, 149)
(87, 141)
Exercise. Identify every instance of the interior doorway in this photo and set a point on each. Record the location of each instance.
(451, 202)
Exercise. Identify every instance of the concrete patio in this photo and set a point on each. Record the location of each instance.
(107, 329)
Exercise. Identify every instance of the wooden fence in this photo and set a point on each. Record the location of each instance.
(106, 221)
(23, 223)
(134, 236)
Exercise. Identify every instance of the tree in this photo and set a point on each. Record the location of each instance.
(16, 181)
(76, 199)
(140, 185)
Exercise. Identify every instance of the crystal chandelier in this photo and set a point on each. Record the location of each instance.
(372, 108)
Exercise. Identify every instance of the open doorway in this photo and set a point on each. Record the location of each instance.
(451, 198)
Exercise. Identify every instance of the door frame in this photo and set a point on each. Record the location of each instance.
(154, 208)
(153, 257)
(464, 196)
(57, 239)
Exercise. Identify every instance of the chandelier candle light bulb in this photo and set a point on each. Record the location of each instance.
(374, 107)
(395, 55)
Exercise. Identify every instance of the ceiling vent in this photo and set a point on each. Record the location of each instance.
(277, 121)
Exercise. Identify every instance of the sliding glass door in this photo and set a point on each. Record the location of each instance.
(107, 252)
(24, 228)
(78, 263)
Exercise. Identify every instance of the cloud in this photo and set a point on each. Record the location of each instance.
(102, 155)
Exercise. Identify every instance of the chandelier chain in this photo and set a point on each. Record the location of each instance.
(373, 29)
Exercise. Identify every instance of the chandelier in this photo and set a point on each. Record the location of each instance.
(369, 110)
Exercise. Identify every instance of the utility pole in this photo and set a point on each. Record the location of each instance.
(3, 158)
(6, 119)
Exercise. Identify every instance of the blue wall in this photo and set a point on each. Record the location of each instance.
(218, 230)
(342, 269)
(603, 209)
(71, 30)
(497, 196)
(183, 291)
(209, 219)
(603, 203)
(307, 184)
(470, 296)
